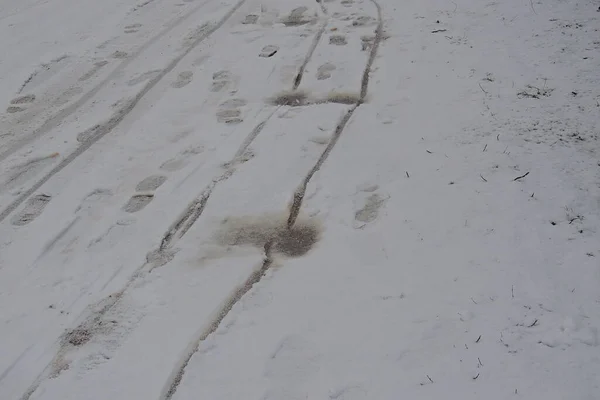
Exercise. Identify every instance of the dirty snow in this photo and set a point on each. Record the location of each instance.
(345, 199)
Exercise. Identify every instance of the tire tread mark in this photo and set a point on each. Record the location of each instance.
(256, 276)
(312, 48)
(102, 129)
(298, 196)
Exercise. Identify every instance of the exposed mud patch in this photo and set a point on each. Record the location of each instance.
(290, 98)
(270, 228)
(343, 97)
(78, 336)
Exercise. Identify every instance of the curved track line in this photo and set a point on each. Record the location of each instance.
(60, 116)
(255, 277)
(99, 131)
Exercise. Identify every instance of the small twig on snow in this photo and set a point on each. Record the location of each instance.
(482, 89)
(475, 377)
(430, 380)
(534, 323)
(429, 151)
(512, 291)
(485, 147)
(579, 217)
(521, 177)
(532, 9)
(439, 30)
(485, 180)
(478, 339)
(498, 137)
(480, 363)
(407, 175)
(473, 301)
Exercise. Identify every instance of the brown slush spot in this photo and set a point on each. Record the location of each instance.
(290, 98)
(343, 97)
(270, 228)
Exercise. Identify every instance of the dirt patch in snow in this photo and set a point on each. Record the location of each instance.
(257, 231)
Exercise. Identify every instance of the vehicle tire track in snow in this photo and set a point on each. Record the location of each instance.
(100, 130)
(153, 259)
(312, 48)
(364, 87)
(59, 117)
(255, 277)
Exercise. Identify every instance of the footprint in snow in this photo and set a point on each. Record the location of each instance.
(183, 79)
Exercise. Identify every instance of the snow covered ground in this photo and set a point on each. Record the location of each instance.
(345, 199)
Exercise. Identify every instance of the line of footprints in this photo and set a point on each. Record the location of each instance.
(146, 187)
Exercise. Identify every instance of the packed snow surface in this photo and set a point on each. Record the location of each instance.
(281, 200)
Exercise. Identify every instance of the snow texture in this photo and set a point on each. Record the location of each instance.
(280, 200)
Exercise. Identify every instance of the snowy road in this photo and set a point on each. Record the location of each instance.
(344, 199)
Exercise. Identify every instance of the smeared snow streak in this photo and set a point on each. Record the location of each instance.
(102, 129)
(177, 375)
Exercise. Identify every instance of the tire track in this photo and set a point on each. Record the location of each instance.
(100, 130)
(313, 47)
(364, 87)
(154, 259)
(61, 115)
(196, 207)
(179, 370)
(177, 375)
